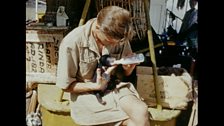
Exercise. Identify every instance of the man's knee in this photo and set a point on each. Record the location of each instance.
(141, 110)
(144, 109)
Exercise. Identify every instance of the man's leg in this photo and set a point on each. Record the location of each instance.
(136, 109)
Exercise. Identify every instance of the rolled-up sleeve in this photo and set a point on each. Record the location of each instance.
(67, 65)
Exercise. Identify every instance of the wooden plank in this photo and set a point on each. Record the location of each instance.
(36, 37)
(40, 77)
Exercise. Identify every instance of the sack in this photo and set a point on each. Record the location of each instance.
(174, 90)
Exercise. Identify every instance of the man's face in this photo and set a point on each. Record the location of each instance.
(107, 40)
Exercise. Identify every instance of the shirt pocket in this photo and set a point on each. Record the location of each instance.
(88, 63)
(87, 69)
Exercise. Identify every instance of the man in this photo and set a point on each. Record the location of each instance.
(188, 33)
(79, 52)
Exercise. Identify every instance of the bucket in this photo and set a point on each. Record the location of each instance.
(164, 117)
(50, 118)
(55, 112)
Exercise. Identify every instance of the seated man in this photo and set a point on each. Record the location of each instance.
(79, 53)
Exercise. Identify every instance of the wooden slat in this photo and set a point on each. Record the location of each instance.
(40, 77)
(35, 37)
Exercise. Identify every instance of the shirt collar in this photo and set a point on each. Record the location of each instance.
(90, 40)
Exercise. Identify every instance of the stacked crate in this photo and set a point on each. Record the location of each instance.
(42, 46)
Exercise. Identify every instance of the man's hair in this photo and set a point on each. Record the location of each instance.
(116, 22)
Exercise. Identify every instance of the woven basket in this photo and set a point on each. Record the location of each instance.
(136, 7)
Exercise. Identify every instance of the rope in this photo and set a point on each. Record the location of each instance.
(33, 117)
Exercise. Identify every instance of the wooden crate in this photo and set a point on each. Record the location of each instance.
(42, 46)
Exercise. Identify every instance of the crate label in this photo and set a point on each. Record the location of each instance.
(41, 58)
(28, 57)
(34, 58)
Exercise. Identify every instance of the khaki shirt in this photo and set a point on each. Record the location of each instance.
(78, 55)
(78, 58)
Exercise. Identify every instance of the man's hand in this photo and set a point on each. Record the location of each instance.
(102, 82)
(128, 68)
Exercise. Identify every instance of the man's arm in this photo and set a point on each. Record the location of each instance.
(100, 84)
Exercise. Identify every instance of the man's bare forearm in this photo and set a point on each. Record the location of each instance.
(80, 87)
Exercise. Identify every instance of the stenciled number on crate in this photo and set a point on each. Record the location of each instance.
(56, 48)
(48, 56)
(28, 58)
(41, 60)
(162, 94)
(33, 58)
(52, 49)
(27, 53)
